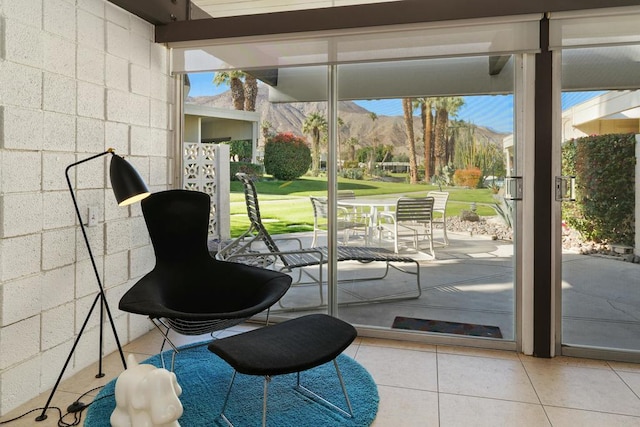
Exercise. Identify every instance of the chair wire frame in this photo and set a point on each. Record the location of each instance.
(257, 247)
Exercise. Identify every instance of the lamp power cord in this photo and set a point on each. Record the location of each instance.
(75, 409)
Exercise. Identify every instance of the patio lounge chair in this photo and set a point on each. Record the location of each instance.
(257, 247)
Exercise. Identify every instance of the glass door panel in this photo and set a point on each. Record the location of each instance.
(600, 273)
(439, 128)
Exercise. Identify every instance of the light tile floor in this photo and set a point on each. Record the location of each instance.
(429, 385)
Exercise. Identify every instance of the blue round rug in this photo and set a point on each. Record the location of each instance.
(205, 378)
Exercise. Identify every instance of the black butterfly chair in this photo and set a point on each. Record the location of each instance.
(188, 291)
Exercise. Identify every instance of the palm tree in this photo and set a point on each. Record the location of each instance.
(407, 107)
(373, 116)
(234, 80)
(444, 108)
(352, 142)
(426, 118)
(315, 124)
(250, 92)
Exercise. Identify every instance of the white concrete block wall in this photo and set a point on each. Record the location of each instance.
(76, 77)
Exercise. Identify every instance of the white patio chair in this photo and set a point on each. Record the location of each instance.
(440, 206)
(413, 217)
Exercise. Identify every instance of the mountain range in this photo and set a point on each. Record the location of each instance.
(358, 123)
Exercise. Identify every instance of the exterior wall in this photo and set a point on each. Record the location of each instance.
(76, 77)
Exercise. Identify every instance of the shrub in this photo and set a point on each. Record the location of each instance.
(240, 150)
(604, 167)
(469, 177)
(286, 156)
(251, 169)
(352, 173)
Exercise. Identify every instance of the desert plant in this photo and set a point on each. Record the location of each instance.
(469, 177)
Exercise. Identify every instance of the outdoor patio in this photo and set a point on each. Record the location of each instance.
(471, 281)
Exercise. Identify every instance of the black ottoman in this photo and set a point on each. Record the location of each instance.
(288, 347)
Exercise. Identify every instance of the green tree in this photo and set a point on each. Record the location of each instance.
(445, 107)
(407, 108)
(234, 80)
(315, 124)
(244, 88)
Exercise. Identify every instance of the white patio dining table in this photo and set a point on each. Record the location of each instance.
(374, 205)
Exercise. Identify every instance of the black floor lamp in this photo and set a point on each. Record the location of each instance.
(128, 188)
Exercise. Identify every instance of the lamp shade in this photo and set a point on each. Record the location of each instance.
(128, 186)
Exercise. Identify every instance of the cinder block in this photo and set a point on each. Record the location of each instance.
(117, 137)
(159, 60)
(57, 210)
(90, 139)
(117, 73)
(139, 326)
(53, 166)
(95, 7)
(117, 40)
(15, 135)
(20, 256)
(139, 78)
(58, 248)
(21, 85)
(159, 86)
(142, 261)
(57, 287)
(140, 50)
(20, 299)
(26, 11)
(22, 43)
(141, 27)
(21, 171)
(19, 384)
(59, 94)
(19, 341)
(13, 218)
(117, 106)
(158, 171)
(116, 269)
(138, 110)
(116, 15)
(59, 55)
(160, 141)
(117, 236)
(57, 326)
(91, 65)
(59, 17)
(51, 363)
(90, 100)
(140, 141)
(139, 233)
(82, 307)
(86, 281)
(60, 131)
(91, 29)
(159, 115)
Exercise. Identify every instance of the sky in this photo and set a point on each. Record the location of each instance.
(494, 112)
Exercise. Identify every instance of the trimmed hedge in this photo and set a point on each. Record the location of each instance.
(286, 156)
(604, 167)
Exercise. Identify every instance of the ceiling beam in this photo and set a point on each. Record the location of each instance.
(157, 12)
(367, 15)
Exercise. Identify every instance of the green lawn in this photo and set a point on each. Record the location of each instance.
(285, 206)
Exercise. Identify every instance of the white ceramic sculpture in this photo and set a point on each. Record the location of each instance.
(146, 396)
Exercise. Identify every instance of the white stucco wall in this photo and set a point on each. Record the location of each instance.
(76, 77)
